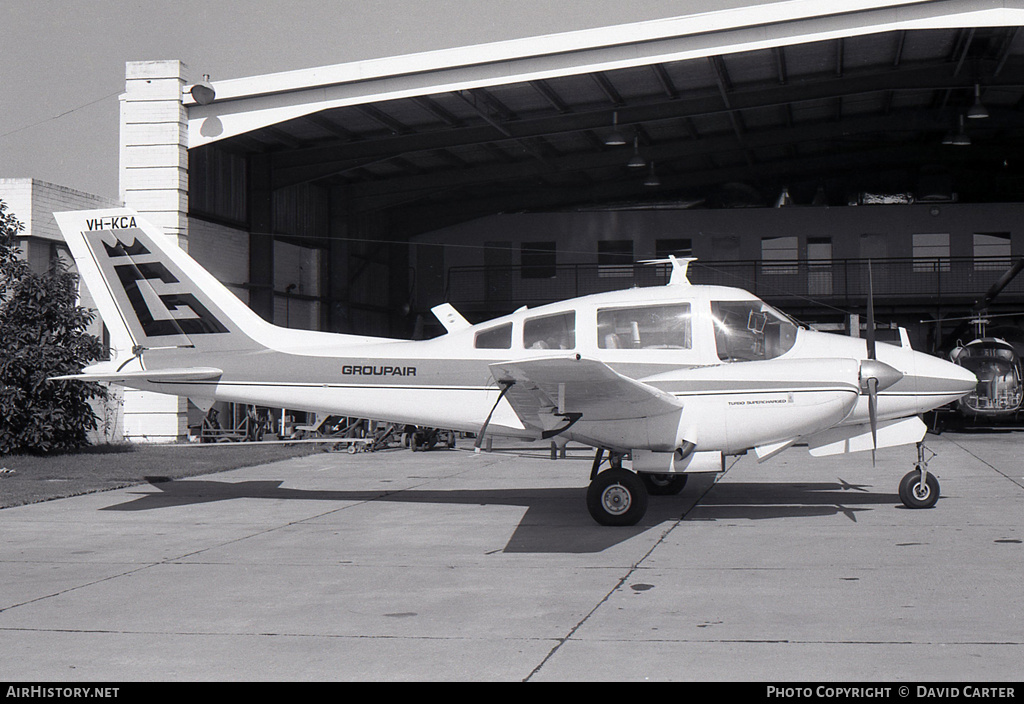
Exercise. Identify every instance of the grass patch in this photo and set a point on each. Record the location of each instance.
(26, 479)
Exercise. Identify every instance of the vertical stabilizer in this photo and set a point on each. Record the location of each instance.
(152, 292)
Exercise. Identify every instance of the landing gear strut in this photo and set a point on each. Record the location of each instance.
(919, 489)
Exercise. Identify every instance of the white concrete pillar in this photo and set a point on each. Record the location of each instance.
(154, 181)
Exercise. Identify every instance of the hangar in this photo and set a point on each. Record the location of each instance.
(784, 144)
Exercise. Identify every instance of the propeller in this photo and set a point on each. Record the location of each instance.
(872, 382)
(871, 314)
(874, 375)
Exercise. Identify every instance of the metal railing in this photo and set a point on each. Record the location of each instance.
(841, 282)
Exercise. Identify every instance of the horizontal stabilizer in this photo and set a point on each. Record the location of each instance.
(152, 375)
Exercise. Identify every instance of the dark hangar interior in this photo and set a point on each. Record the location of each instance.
(897, 119)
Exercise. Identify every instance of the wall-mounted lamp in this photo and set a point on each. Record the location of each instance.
(202, 92)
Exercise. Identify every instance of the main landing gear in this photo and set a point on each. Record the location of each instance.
(919, 489)
(618, 497)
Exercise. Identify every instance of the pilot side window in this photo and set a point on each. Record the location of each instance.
(645, 327)
(556, 332)
(499, 338)
(749, 330)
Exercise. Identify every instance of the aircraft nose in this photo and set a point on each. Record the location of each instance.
(942, 377)
(965, 379)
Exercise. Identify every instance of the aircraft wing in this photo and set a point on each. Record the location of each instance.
(546, 392)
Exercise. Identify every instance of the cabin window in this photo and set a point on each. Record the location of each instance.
(749, 330)
(499, 338)
(556, 332)
(646, 327)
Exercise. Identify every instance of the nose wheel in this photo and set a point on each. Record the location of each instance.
(918, 488)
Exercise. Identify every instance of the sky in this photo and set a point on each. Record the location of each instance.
(62, 62)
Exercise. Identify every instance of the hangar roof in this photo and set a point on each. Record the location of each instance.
(747, 105)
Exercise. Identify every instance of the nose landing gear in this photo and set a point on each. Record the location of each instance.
(918, 488)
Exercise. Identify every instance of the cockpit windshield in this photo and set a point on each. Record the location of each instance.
(999, 383)
(750, 330)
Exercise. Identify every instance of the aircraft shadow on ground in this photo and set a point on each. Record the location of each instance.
(556, 520)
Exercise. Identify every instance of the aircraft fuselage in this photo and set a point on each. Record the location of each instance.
(777, 383)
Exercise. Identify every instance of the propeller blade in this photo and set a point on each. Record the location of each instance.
(871, 315)
(872, 384)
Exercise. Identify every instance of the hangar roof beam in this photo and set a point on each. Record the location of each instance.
(311, 164)
(814, 138)
(923, 78)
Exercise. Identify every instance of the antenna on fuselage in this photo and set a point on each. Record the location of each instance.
(679, 267)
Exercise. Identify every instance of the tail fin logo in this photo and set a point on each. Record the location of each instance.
(162, 303)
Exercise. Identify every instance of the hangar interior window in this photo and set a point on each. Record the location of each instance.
(682, 247)
(991, 250)
(615, 258)
(819, 266)
(499, 338)
(645, 327)
(931, 252)
(779, 255)
(537, 260)
(556, 332)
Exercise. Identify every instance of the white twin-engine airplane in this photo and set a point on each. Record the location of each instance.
(674, 377)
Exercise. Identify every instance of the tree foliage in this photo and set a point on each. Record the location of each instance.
(42, 334)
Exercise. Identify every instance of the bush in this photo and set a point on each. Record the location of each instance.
(43, 335)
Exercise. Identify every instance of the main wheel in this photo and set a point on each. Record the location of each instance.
(617, 497)
(913, 494)
(663, 484)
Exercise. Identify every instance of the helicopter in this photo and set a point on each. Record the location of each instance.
(995, 357)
